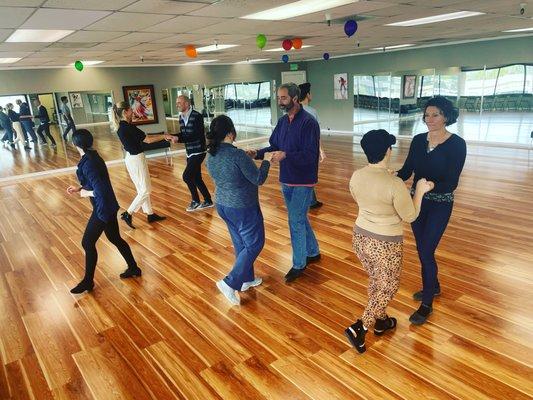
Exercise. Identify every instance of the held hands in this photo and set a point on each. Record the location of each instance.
(73, 189)
(252, 153)
(278, 156)
(268, 157)
(170, 138)
(424, 186)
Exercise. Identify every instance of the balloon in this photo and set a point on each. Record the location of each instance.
(326, 56)
(190, 51)
(297, 43)
(285, 58)
(350, 27)
(78, 65)
(287, 44)
(261, 41)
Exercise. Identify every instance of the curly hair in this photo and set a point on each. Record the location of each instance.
(446, 107)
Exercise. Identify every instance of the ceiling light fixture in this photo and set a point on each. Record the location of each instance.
(297, 8)
(398, 46)
(38, 35)
(254, 60)
(215, 47)
(282, 49)
(199, 62)
(436, 18)
(520, 30)
(9, 60)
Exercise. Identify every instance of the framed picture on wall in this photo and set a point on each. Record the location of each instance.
(340, 86)
(409, 85)
(75, 100)
(142, 103)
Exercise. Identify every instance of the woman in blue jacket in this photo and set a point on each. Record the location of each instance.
(95, 184)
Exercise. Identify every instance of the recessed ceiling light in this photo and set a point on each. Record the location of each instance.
(9, 60)
(436, 18)
(282, 49)
(38, 35)
(254, 60)
(520, 30)
(88, 63)
(214, 47)
(398, 46)
(199, 62)
(297, 8)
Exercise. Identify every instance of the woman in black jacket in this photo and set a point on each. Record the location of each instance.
(95, 184)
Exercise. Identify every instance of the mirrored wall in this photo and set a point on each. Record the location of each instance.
(495, 103)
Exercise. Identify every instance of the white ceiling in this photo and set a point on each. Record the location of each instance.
(119, 32)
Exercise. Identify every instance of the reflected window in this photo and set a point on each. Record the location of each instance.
(448, 85)
(511, 80)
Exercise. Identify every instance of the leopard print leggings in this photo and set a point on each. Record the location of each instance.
(383, 263)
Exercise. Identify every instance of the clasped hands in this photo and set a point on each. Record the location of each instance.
(273, 157)
(171, 138)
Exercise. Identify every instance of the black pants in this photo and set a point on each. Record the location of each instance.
(93, 231)
(45, 126)
(428, 229)
(192, 176)
(70, 125)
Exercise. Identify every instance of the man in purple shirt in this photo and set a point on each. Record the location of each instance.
(295, 144)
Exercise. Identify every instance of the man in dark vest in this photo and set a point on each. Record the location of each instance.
(44, 119)
(192, 134)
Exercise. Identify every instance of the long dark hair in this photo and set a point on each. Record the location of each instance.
(219, 128)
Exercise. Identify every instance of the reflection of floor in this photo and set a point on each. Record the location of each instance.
(45, 158)
(171, 335)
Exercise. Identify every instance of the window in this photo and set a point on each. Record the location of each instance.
(382, 84)
(473, 83)
(427, 86)
(264, 90)
(364, 85)
(229, 92)
(529, 79)
(448, 85)
(511, 79)
(395, 87)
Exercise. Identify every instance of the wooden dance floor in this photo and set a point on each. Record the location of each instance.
(171, 334)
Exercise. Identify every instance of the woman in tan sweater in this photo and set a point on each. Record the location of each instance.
(384, 204)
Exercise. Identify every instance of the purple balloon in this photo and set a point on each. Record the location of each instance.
(285, 58)
(350, 27)
(326, 56)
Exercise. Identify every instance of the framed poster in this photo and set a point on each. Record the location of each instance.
(142, 102)
(340, 86)
(75, 100)
(409, 85)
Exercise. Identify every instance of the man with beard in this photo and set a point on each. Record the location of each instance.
(295, 144)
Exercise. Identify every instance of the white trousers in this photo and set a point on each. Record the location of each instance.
(139, 174)
(17, 126)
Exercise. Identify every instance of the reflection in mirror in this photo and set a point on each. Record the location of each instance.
(372, 97)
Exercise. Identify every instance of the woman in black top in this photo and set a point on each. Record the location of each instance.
(437, 156)
(133, 140)
(95, 184)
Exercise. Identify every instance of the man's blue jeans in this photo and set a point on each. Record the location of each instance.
(27, 124)
(247, 232)
(303, 240)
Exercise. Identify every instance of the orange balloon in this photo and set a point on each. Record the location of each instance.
(190, 51)
(297, 43)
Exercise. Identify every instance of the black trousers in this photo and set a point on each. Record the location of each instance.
(192, 176)
(93, 231)
(45, 126)
(70, 125)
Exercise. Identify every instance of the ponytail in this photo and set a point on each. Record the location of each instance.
(118, 110)
(220, 127)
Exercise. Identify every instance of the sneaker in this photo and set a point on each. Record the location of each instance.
(131, 273)
(418, 295)
(251, 284)
(384, 325)
(229, 293)
(313, 258)
(127, 218)
(316, 204)
(82, 287)
(421, 315)
(356, 335)
(293, 274)
(154, 218)
(206, 204)
(193, 206)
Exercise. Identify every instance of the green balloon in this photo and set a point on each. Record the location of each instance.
(78, 65)
(261, 41)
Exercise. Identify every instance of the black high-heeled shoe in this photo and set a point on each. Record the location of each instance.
(131, 273)
(127, 218)
(82, 287)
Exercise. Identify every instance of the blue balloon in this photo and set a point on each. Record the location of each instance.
(326, 56)
(350, 27)
(285, 58)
